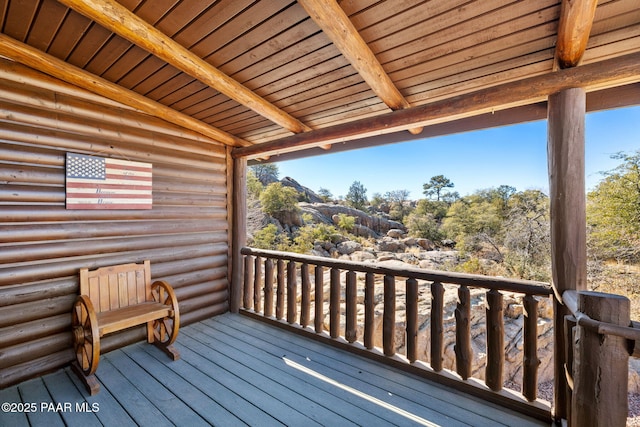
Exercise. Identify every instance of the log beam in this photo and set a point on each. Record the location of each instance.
(118, 19)
(576, 20)
(336, 25)
(597, 76)
(34, 58)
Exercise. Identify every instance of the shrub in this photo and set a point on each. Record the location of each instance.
(346, 222)
(276, 198)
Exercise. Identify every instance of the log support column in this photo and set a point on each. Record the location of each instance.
(565, 149)
(239, 231)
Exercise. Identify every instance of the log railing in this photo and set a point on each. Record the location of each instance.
(293, 283)
(600, 339)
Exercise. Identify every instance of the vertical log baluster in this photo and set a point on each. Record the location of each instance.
(530, 361)
(389, 316)
(305, 302)
(351, 307)
(280, 290)
(318, 316)
(292, 292)
(495, 340)
(570, 326)
(248, 282)
(462, 347)
(437, 326)
(334, 303)
(412, 319)
(268, 287)
(257, 289)
(369, 310)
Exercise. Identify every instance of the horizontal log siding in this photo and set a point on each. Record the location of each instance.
(43, 245)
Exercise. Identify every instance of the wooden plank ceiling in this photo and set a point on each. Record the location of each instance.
(248, 72)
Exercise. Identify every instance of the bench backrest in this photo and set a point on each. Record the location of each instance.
(117, 286)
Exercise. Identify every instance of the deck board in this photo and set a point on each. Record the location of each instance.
(235, 370)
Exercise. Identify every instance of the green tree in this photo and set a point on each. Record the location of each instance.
(325, 194)
(276, 199)
(613, 212)
(436, 185)
(254, 186)
(357, 196)
(265, 172)
(270, 238)
(527, 236)
(399, 205)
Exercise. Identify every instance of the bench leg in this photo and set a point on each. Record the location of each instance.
(90, 382)
(170, 350)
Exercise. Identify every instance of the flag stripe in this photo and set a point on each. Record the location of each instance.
(103, 183)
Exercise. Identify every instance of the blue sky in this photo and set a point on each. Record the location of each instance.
(512, 155)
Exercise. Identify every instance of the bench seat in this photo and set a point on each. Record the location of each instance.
(133, 315)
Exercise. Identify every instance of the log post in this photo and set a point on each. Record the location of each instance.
(257, 289)
(389, 316)
(239, 233)
(369, 310)
(334, 303)
(268, 287)
(351, 311)
(495, 340)
(462, 348)
(318, 316)
(412, 319)
(305, 299)
(601, 364)
(280, 284)
(248, 282)
(530, 359)
(292, 292)
(565, 154)
(437, 325)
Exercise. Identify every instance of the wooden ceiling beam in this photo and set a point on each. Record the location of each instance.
(601, 75)
(118, 19)
(336, 25)
(24, 54)
(576, 20)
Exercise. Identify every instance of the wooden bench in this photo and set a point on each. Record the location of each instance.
(116, 298)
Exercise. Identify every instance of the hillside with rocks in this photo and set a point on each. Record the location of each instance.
(375, 238)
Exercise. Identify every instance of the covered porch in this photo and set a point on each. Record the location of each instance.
(236, 370)
(197, 91)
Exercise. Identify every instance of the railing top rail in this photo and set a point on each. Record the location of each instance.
(473, 280)
(631, 332)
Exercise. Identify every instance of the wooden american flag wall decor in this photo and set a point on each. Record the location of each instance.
(105, 183)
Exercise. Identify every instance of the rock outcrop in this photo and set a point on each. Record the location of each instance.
(364, 221)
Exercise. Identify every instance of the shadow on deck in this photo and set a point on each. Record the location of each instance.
(236, 370)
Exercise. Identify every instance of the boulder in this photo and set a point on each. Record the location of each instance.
(348, 247)
(388, 244)
(426, 244)
(307, 194)
(378, 224)
(395, 233)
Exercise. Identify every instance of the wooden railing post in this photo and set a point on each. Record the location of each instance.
(268, 287)
(601, 364)
(305, 298)
(257, 290)
(318, 316)
(369, 309)
(239, 232)
(351, 311)
(292, 292)
(531, 361)
(412, 319)
(437, 326)
(462, 348)
(334, 303)
(248, 282)
(389, 316)
(280, 284)
(495, 340)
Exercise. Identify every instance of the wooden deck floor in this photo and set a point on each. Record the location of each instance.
(238, 371)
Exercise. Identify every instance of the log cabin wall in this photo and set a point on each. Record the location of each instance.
(43, 245)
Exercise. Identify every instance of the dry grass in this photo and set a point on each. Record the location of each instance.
(618, 279)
